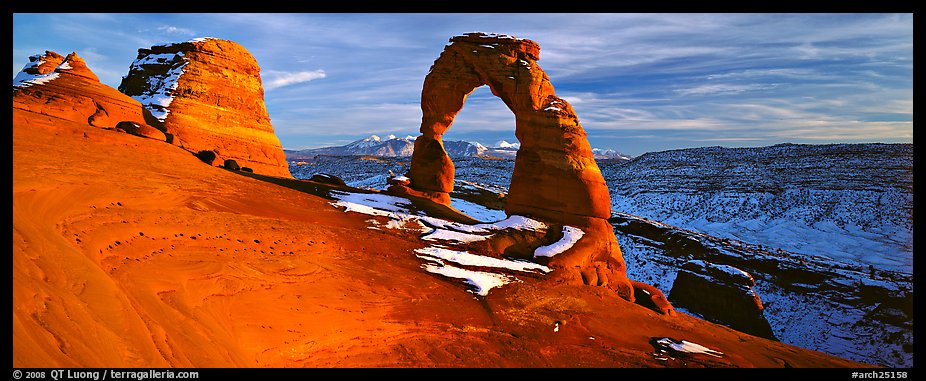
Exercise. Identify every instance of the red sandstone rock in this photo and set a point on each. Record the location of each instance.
(595, 260)
(209, 95)
(77, 66)
(555, 171)
(556, 178)
(654, 296)
(40, 64)
(142, 130)
(64, 87)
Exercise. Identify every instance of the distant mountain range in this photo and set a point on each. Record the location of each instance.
(392, 146)
(389, 146)
(610, 154)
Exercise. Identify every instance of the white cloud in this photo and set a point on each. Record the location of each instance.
(274, 79)
(791, 73)
(572, 100)
(176, 30)
(721, 88)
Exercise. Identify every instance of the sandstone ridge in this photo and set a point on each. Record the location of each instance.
(209, 95)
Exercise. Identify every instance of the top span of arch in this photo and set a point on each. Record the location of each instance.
(530, 48)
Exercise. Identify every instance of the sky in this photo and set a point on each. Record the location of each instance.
(638, 82)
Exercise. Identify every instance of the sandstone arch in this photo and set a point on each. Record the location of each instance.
(555, 179)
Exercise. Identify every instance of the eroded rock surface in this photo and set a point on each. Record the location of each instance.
(209, 95)
(65, 88)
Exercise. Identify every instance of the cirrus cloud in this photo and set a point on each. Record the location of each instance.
(274, 78)
(638, 82)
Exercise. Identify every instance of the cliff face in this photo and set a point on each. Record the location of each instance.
(721, 293)
(65, 88)
(209, 95)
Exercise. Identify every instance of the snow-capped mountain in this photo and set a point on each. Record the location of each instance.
(505, 145)
(504, 149)
(459, 148)
(389, 146)
(609, 154)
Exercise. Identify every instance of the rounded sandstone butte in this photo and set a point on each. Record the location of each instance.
(64, 87)
(209, 95)
(555, 179)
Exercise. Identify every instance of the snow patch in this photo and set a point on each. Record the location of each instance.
(482, 281)
(374, 204)
(520, 222)
(493, 36)
(450, 235)
(477, 211)
(733, 271)
(469, 259)
(24, 80)
(398, 210)
(158, 93)
(571, 235)
(687, 347)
